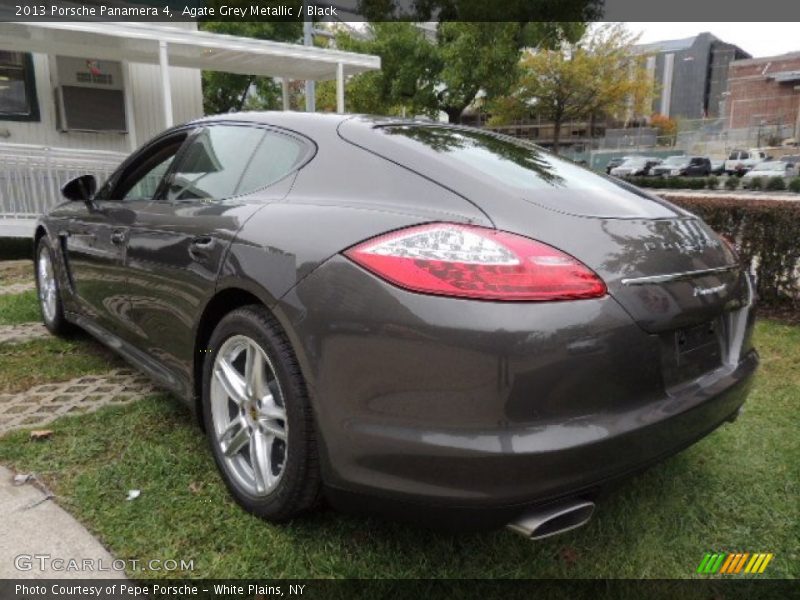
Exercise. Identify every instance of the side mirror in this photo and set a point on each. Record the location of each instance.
(80, 189)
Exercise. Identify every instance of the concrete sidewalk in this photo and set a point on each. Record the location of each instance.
(31, 525)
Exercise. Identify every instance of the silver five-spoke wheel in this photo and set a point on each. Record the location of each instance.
(48, 293)
(249, 415)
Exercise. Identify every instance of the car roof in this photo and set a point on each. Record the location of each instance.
(304, 122)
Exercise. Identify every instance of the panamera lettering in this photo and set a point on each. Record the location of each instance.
(718, 289)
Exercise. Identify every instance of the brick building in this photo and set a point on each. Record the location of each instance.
(765, 92)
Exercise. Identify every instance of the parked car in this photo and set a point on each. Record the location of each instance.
(636, 165)
(684, 166)
(471, 331)
(741, 161)
(717, 166)
(615, 162)
(772, 168)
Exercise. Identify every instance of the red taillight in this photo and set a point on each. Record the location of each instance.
(476, 262)
(731, 245)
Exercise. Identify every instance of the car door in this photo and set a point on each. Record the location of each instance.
(179, 240)
(95, 238)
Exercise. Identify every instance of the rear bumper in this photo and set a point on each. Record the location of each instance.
(546, 464)
(428, 402)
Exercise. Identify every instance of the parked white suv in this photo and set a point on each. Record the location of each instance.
(741, 161)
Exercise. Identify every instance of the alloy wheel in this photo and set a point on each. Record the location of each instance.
(47, 285)
(249, 415)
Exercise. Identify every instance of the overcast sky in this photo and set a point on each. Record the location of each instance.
(759, 39)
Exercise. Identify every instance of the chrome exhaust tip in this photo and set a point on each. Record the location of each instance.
(538, 524)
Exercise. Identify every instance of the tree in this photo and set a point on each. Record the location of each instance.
(420, 75)
(408, 76)
(598, 75)
(226, 92)
(667, 128)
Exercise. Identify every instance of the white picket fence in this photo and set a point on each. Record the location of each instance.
(31, 178)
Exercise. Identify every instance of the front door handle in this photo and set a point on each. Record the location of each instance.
(118, 237)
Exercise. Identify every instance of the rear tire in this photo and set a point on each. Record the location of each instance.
(49, 291)
(258, 417)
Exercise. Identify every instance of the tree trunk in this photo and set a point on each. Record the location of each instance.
(556, 134)
(453, 113)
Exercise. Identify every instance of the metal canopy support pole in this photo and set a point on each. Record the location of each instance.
(131, 118)
(285, 92)
(308, 40)
(339, 87)
(166, 89)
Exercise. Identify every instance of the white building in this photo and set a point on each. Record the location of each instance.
(77, 97)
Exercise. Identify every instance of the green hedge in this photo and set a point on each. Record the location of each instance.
(713, 182)
(766, 235)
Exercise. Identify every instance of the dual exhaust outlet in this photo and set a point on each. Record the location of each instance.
(541, 523)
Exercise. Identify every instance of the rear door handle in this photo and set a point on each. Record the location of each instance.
(118, 237)
(201, 247)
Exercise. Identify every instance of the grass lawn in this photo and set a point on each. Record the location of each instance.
(46, 359)
(15, 272)
(736, 490)
(19, 308)
(23, 366)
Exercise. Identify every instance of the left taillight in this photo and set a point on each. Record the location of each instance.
(467, 261)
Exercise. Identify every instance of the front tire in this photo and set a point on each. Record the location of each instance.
(49, 291)
(258, 417)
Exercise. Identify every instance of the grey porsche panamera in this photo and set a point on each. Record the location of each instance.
(431, 321)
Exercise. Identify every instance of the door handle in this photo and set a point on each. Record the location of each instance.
(118, 237)
(201, 246)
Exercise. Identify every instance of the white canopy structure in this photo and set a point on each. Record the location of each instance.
(31, 173)
(165, 46)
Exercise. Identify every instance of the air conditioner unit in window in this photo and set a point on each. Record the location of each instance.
(90, 95)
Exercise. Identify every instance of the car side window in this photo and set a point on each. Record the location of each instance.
(147, 185)
(140, 177)
(275, 157)
(213, 163)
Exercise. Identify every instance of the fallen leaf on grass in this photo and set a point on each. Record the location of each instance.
(195, 487)
(569, 555)
(41, 434)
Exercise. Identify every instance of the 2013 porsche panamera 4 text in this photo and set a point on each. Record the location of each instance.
(404, 316)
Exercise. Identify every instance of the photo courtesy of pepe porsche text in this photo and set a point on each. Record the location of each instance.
(133, 590)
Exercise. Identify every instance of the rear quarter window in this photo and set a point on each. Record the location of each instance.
(276, 156)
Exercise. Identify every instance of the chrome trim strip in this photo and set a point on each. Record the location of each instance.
(676, 276)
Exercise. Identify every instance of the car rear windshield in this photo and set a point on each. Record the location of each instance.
(511, 162)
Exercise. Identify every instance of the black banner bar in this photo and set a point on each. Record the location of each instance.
(412, 589)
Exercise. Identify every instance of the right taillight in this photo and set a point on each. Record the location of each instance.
(467, 261)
